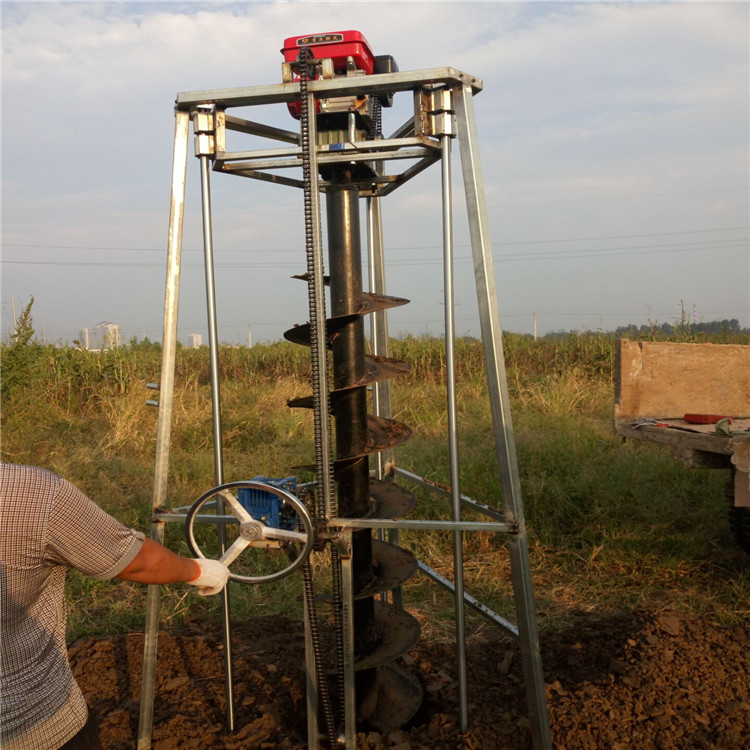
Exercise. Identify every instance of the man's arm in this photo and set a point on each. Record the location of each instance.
(156, 564)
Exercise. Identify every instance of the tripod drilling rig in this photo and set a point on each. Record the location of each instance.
(334, 85)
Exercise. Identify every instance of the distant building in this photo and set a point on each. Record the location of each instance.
(101, 336)
(195, 340)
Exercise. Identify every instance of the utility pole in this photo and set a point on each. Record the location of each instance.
(15, 322)
(534, 326)
(249, 336)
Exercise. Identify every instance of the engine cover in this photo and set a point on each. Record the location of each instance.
(338, 45)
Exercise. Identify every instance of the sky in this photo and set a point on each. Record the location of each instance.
(613, 140)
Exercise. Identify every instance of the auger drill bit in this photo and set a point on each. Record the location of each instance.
(387, 695)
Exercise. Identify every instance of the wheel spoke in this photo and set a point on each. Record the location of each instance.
(234, 551)
(236, 506)
(288, 536)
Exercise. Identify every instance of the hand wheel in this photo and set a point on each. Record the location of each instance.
(252, 532)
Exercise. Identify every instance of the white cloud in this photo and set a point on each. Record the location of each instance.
(595, 117)
(618, 58)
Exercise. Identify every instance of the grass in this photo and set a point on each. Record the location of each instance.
(611, 525)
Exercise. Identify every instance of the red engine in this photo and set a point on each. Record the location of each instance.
(350, 54)
(338, 45)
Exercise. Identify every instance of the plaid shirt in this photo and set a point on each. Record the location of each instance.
(47, 525)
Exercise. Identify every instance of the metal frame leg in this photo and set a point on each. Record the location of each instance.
(500, 408)
(213, 346)
(347, 598)
(450, 383)
(166, 400)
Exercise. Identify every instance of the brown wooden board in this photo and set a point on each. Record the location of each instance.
(694, 449)
(667, 380)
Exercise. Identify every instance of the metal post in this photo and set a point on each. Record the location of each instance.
(347, 596)
(213, 346)
(450, 381)
(166, 400)
(381, 392)
(500, 409)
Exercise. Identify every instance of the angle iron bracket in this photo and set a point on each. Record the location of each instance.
(204, 127)
(442, 112)
(343, 544)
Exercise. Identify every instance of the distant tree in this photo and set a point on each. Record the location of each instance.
(24, 332)
(144, 344)
(20, 359)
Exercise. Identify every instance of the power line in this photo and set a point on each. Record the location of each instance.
(713, 245)
(593, 253)
(390, 247)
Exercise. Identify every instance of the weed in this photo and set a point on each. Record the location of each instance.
(610, 525)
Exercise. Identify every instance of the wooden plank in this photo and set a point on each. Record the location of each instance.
(692, 448)
(666, 380)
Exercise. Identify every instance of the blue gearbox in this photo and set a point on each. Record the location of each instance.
(268, 507)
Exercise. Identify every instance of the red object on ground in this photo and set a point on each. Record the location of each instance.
(704, 418)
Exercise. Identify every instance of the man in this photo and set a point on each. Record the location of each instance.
(48, 525)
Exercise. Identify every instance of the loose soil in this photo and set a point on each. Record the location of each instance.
(629, 681)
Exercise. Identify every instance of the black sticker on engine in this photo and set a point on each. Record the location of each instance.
(306, 41)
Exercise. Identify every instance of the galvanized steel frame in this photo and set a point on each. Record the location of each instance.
(425, 150)
(166, 403)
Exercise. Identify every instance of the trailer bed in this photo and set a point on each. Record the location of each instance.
(658, 383)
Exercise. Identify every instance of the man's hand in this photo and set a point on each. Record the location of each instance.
(212, 577)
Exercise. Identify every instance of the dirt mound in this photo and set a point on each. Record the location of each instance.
(629, 681)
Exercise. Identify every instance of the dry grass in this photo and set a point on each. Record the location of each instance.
(611, 526)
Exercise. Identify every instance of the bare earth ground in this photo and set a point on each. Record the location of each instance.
(634, 681)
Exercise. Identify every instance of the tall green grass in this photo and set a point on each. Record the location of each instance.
(611, 525)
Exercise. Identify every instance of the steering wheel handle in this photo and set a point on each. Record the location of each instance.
(253, 532)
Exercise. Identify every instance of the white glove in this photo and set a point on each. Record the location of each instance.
(212, 578)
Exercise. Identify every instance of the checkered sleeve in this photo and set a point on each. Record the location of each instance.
(81, 535)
